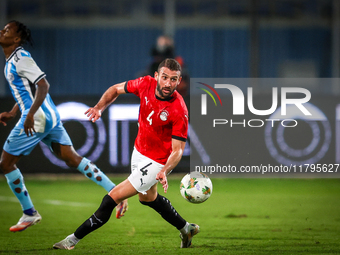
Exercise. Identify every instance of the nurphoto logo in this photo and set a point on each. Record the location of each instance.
(238, 99)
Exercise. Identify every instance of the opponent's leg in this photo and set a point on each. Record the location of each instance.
(92, 172)
(16, 183)
(83, 165)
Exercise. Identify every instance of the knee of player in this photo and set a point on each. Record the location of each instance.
(70, 163)
(72, 160)
(5, 167)
(1, 166)
(115, 196)
(108, 203)
(145, 203)
(150, 196)
(148, 200)
(68, 155)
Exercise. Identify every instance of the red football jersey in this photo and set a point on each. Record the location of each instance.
(159, 120)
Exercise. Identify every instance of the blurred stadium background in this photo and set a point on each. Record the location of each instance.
(84, 46)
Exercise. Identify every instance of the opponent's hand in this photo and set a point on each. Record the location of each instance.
(93, 114)
(161, 177)
(29, 125)
(5, 117)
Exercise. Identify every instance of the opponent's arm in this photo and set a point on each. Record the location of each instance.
(7, 116)
(40, 95)
(109, 96)
(173, 160)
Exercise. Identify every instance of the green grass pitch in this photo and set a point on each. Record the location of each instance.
(243, 216)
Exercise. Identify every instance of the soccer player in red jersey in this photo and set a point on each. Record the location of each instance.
(159, 146)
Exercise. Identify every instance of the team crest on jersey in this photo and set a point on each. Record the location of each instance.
(164, 115)
(10, 77)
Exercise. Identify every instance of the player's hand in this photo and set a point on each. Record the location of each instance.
(29, 125)
(161, 177)
(5, 117)
(93, 114)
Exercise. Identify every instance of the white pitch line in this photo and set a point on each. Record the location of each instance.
(75, 204)
(51, 202)
(8, 199)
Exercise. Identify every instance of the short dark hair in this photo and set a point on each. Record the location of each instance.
(170, 63)
(24, 32)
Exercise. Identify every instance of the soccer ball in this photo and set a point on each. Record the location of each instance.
(196, 187)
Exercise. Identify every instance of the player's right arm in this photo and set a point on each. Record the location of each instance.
(173, 160)
(109, 96)
(7, 116)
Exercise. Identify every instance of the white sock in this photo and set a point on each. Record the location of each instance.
(185, 229)
(73, 238)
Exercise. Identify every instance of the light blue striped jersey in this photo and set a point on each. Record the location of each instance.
(22, 74)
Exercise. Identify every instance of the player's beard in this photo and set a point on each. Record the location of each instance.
(160, 91)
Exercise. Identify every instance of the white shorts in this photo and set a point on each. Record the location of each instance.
(143, 172)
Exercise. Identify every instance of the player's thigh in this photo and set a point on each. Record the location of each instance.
(8, 162)
(67, 153)
(60, 143)
(143, 172)
(18, 143)
(122, 191)
(56, 137)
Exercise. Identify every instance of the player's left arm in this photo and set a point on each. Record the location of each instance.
(40, 95)
(173, 160)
